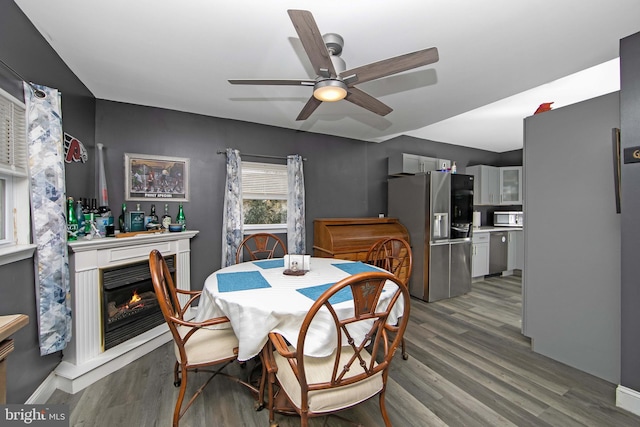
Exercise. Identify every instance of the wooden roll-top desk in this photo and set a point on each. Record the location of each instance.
(351, 238)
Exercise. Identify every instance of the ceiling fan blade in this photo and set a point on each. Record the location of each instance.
(308, 108)
(367, 101)
(390, 66)
(312, 41)
(281, 82)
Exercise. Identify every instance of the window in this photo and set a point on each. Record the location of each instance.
(264, 197)
(4, 209)
(14, 184)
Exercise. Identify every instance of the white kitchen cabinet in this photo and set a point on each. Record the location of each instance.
(486, 184)
(411, 164)
(480, 254)
(511, 185)
(496, 186)
(515, 258)
(512, 255)
(520, 251)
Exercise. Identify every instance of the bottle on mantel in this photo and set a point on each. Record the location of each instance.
(166, 218)
(72, 221)
(180, 219)
(154, 217)
(80, 218)
(153, 223)
(137, 219)
(94, 207)
(122, 220)
(88, 216)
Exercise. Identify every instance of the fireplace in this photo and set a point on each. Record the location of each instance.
(129, 304)
(123, 261)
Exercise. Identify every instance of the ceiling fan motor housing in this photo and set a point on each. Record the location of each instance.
(334, 43)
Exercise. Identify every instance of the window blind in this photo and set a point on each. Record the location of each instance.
(264, 181)
(13, 147)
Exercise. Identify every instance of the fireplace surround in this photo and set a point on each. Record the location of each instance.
(87, 359)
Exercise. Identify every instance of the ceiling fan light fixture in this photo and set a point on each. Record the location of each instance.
(330, 90)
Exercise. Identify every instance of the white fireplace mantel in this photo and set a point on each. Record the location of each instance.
(83, 360)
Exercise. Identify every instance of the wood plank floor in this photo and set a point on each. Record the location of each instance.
(469, 365)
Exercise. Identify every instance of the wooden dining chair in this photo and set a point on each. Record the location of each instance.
(394, 255)
(356, 370)
(195, 346)
(260, 246)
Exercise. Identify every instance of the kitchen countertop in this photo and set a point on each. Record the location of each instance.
(490, 228)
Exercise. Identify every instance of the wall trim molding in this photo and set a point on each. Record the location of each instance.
(44, 391)
(628, 399)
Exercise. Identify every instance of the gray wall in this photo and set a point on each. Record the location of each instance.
(343, 177)
(630, 137)
(572, 236)
(24, 49)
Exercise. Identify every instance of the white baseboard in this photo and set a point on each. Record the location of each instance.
(628, 399)
(44, 391)
(71, 378)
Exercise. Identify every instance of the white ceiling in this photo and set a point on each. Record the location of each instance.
(179, 54)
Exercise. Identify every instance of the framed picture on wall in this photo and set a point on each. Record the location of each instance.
(149, 177)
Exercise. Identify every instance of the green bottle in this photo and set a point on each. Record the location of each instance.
(122, 220)
(180, 218)
(72, 221)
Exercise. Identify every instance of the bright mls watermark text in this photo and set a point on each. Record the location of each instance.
(34, 415)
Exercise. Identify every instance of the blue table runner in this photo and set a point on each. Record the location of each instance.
(314, 292)
(241, 281)
(355, 267)
(270, 263)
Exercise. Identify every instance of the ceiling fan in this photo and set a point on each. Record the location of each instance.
(333, 81)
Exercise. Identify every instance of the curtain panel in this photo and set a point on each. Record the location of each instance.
(232, 219)
(295, 206)
(48, 213)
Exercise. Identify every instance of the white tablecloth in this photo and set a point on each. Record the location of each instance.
(280, 307)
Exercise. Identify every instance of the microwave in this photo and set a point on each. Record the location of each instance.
(507, 219)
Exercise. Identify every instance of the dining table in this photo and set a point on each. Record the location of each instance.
(258, 298)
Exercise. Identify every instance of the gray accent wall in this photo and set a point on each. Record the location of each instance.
(343, 177)
(630, 137)
(572, 236)
(26, 51)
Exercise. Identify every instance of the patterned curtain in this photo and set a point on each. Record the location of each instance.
(46, 174)
(295, 206)
(232, 214)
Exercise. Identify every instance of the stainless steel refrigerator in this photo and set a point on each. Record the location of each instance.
(437, 209)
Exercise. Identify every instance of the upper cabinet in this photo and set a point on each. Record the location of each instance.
(411, 164)
(496, 186)
(511, 185)
(486, 184)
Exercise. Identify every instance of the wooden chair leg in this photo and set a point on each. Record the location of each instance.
(405, 356)
(183, 390)
(383, 410)
(176, 374)
(263, 381)
(270, 400)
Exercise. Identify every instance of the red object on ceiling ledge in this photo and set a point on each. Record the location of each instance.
(545, 106)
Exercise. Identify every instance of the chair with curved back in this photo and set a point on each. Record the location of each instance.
(260, 246)
(357, 369)
(394, 255)
(195, 346)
